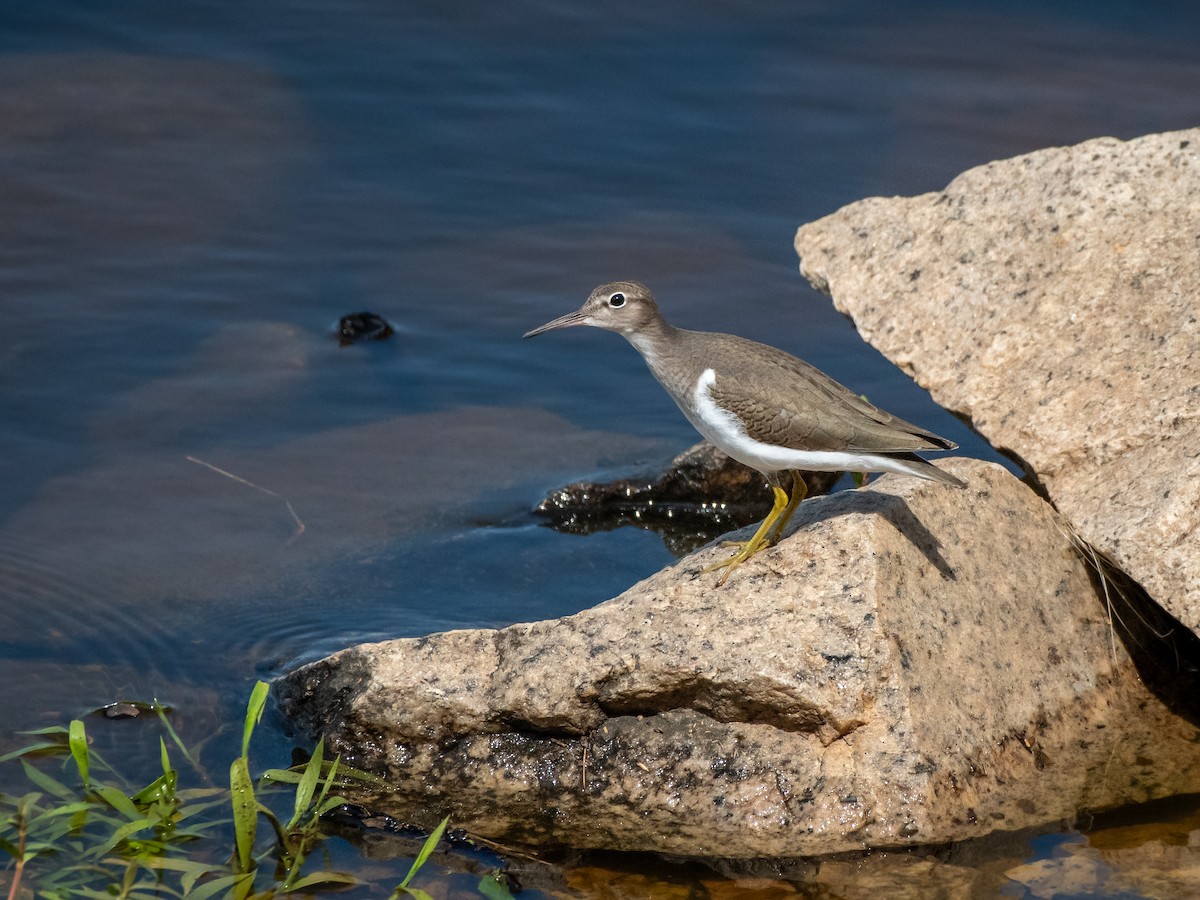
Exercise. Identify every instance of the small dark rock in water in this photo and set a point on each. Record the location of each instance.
(702, 494)
(363, 326)
(128, 709)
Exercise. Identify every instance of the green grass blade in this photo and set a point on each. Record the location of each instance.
(321, 879)
(337, 769)
(427, 849)
(161, 788)
(49, 729)
(308, 784)
(281, 837)
(254, 711)
(282, 776)
(245, 811)
(125, 831)
(96, 761)
(72, 809)
(193, 809)
(330, 778)
(494, 886)
(161, 712)
(349, 772)
(329, 804)
(77, 738)
(118, 801)
(47, 783)
(187, 795)
(31, 749)
(219, 885)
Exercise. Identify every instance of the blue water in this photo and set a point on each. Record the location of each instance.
(192, 195)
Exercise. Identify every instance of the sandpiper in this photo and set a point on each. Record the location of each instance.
(761, 406)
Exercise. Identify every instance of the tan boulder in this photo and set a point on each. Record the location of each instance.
(1053, 299)
(911, 665)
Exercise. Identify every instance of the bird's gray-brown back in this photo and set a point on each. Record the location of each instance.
(780, 399)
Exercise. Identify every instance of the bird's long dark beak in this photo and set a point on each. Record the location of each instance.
(576, 318)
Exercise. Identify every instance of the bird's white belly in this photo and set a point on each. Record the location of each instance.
(725, 430)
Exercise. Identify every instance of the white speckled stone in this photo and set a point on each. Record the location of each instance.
(1054, 299)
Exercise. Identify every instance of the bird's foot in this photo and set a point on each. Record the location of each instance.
(770, 541)
(748, 549)
(768, 532)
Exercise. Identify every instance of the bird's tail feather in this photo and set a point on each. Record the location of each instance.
(922, 468)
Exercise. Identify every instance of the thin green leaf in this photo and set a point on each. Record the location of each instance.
(427, 849)
(254, 711)
(329, 779)
(412, 892)
(194, 872)
(47, 783)
(191, 810)
(118, 801)
(245, 811)
(49, 729)
(99, 762)
(320, 878)
(295, 867)
(161, 788)
(189, 794)
(71, 809)
(161, 712)
(27, 801)
(190, 872)
(282, 776)
(157, 864)
(77, 738)
(308, 784)
(244, 890)
(494, 886)
(329, 804)
(335, 770)
(124, 832)
(32, 749)
(350, 773)
(281, 838)
(267, 813)
(215, 887)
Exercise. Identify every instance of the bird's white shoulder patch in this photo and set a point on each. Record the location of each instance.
(727, 431)
(719, 425)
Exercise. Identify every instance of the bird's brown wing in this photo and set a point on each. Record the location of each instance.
(784, 401)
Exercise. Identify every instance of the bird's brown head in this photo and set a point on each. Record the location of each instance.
(626, 307)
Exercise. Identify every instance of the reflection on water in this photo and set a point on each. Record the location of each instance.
(190, 204)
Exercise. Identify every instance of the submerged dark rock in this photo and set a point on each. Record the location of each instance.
(363, 326)
(703, 493)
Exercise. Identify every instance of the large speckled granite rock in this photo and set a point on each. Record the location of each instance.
(911, 665)
(1055, 299)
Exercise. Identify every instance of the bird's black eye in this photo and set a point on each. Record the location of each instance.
(617, 300)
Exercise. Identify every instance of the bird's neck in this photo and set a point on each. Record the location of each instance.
(652, 338)
(667, 352)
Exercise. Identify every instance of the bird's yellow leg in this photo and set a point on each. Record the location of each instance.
(757, 542)
(799, 492)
